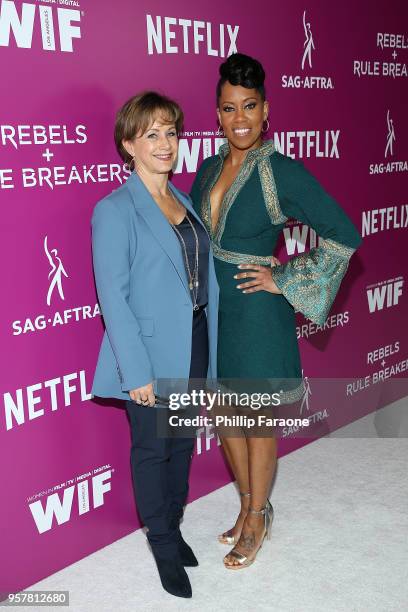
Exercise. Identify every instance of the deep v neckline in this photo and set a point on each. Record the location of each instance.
(254, 158)
(213, 228)
(229, 196)
(257, 160)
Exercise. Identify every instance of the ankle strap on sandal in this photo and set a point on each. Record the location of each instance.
(257, 511)
(264, 510)
(244, 494)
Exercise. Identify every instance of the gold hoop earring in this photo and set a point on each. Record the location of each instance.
(267, 127)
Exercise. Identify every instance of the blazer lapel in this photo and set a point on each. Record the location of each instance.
(158, 224)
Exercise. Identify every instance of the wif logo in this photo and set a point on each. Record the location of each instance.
(385, 294)
(59, 505)
(297, 237)
(21, 26)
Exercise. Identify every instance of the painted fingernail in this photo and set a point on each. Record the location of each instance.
(236, 276)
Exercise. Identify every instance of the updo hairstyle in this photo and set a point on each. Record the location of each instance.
(240, 69)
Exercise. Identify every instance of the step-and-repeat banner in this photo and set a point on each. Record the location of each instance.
(337, 87)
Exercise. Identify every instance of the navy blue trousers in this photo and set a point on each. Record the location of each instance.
(160, 466)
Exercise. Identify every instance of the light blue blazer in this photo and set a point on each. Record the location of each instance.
(143, 294)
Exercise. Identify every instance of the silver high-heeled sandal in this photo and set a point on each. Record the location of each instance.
(246, 560)
(227, 537)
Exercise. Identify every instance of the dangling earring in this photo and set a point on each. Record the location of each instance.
(128, 164)
(221, 129)
(267, 127)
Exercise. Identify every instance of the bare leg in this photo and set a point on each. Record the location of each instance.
(262, 454)
(236, 452)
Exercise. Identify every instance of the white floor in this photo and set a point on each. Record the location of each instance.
(339, 542)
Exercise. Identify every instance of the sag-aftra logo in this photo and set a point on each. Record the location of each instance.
(58, 26)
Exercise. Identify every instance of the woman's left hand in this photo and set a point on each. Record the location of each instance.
(261, 278)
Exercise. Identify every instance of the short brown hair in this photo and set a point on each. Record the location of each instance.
(139, 112)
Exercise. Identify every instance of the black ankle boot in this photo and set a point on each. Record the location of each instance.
(187, 556)
(173, 576)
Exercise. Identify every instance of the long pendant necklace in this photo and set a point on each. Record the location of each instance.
(193, 283)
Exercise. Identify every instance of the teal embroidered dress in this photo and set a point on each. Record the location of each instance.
(257, 331)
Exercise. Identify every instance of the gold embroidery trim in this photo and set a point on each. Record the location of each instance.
(238, 258)
(336, 247)
(285, 397)
(212, 174)
(269, 191)
(288, 397)
(266, 149)
(205, 175)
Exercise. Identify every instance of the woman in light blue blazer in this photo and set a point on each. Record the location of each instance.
(158, 294)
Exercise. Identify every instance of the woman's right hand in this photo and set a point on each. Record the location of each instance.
(143, 395)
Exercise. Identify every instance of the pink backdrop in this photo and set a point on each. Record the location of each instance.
(66, 482)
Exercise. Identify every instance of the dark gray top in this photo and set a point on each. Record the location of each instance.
(203, 247)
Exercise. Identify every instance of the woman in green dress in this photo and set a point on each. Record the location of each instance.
(245, 194)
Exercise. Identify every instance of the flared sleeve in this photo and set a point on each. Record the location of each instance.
(310, 281)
